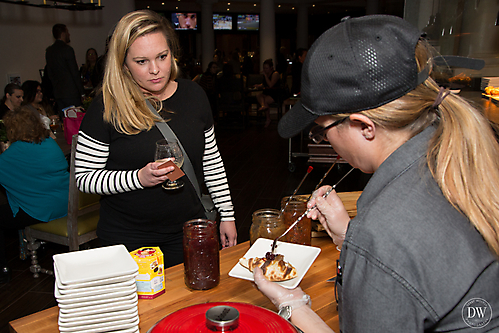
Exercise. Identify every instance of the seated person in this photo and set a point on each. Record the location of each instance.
(301, 54)
(272, 89)
(33, 99)
(34, 174)
(13, 97)
(228, 82)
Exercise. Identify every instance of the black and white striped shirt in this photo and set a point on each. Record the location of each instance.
(92, 177)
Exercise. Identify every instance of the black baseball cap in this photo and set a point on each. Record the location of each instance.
(359, 64)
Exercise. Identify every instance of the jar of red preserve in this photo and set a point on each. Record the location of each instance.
(302, 232)
(201, 254)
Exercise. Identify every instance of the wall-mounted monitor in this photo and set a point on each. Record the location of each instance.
(222, 22)
(185, 21)
(248, 22)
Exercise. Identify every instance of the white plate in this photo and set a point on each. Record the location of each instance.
(94, 264)
(101, 282)
(104, 294)
(118, 303)
(109, 318)
(96, 300)
(102, 313)
(64, 295)
(300, 256)
(96, 289)
(119, 326)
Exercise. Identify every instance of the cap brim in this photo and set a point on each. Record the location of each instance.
(295, 120)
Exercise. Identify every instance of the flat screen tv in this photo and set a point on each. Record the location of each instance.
(248, 22)
(185, 21)
(222, 22)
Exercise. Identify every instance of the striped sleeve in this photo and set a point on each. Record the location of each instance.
(215, 177)
(90, 169)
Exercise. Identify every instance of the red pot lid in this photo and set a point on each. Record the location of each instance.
(252, 318)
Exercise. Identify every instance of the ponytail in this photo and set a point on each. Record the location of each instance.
(463, 155)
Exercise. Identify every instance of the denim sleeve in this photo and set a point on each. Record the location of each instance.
(373, 300)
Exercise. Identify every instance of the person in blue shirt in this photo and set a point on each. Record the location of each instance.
(34, 174)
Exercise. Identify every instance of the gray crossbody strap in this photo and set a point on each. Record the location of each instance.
(169, 134)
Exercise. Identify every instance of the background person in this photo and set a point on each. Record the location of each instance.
(208, 81)
(296, 68)
(272, 90)
(424, 243)
(116, 143)
(62, 70)
(33, 99)
(187, 20)
(34, 173)
(88, 71)
(12, 98)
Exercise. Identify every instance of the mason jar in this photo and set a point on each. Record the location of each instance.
(201, 254)
(302, 232)
(266, 223)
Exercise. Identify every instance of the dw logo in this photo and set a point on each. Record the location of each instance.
(477, 313)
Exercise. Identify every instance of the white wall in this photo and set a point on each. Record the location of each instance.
(25, 33)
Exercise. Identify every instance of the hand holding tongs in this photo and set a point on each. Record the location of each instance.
(308, 211)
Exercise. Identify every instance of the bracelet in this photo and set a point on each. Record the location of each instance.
(296, 303)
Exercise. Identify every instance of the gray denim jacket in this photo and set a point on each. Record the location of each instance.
(410, 261)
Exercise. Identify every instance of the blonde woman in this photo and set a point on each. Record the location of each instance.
(422, 253)
(116, 143)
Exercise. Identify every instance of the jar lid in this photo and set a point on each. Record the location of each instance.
(249, 318)
(222, 318)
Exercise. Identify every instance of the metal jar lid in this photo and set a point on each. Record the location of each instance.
(222, 318)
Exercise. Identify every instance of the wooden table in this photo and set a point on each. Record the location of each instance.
(230, 289)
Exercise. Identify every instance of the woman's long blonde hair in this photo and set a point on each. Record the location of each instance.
(125, 105)
(463, 155)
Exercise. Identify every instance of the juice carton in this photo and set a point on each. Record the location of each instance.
(151, 280)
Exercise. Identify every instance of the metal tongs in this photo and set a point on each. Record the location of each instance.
(274, 244)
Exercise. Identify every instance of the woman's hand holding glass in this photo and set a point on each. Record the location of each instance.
(331, 213)
(151, 175)
(169, 150)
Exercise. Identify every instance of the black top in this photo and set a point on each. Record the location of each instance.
(3, 110)
(147, 213)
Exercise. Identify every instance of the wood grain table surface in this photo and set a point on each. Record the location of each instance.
(230, 289)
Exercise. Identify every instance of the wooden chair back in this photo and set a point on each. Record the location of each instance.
(77, 228)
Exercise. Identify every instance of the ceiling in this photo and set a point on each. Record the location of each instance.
(340, 7)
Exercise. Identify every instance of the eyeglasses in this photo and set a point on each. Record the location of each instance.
(317, 133)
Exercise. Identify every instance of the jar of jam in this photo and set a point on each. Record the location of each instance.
(267, 223)
(302, 232)
(201, 256)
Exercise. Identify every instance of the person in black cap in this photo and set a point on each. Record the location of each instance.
(422, 253)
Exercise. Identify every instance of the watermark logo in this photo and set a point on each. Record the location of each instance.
(477, 313)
